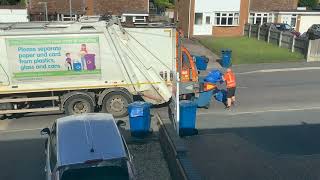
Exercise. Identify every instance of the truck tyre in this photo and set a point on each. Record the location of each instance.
(78, 104)
(116, 103)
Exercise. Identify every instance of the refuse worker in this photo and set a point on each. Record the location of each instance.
(230, 79)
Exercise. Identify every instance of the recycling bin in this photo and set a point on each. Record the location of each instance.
(204, 98)
(139, 118)
(214, 76)
(90, 61)
(201, 62)
(226, 58)
(77, 66)
(188, 113)
(221, 95)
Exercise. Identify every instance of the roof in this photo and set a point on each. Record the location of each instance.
(271, 5)
(77, 135)
(305, 12)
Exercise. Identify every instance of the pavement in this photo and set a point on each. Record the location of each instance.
(195, 48)
(270, 134)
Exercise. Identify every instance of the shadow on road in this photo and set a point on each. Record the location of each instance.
(22, 159)
(261, 153)
(290, 140)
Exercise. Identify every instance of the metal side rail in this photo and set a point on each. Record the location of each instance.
(16, 110)
(175, 152)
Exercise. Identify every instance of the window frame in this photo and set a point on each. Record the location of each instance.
(294, 18)
(228, 18)
(195, 18)
(262, 16)
(208, 22)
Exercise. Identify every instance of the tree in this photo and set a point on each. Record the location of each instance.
(10, 2)
(308, 3)
(164, 3)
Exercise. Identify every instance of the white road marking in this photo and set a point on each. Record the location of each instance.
(242, 87)
(19, 130)
(258, 112)
(280, 70)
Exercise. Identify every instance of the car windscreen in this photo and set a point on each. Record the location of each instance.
(97, 173)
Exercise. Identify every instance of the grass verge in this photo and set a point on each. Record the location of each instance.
(250, 51)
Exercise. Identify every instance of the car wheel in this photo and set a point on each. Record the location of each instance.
(116, 103)
(78, 104)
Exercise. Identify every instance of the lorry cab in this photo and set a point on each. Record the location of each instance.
(86, 147)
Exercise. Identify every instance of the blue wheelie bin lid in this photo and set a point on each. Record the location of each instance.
(214, 76)
(137, 109)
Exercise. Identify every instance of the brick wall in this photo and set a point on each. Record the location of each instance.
(117, 7)
(94, 7)
(56, 6)
(273, 5)
(219, 31)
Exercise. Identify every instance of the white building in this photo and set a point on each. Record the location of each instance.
(212, 17)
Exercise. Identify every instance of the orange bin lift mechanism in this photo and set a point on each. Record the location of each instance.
(188, 71)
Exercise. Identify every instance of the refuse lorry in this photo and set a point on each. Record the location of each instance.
(89, 65)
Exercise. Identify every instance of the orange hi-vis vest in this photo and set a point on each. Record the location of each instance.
(230, 79)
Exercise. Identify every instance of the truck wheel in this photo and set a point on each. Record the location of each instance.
(116, 103)
(78, 104)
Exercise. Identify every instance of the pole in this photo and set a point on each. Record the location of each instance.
(70, 8)
(189, 19)
(45, 5)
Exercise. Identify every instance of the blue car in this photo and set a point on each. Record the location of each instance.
(86, 147)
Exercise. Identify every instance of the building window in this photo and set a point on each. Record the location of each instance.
(198, 18)
(226, 19)
(260, 18)
(208, 20)
(293, 20)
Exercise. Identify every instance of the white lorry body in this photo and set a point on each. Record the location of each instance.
(93, 57)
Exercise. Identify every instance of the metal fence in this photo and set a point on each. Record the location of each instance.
(309, 48)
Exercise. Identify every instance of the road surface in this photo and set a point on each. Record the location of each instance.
(271, 134)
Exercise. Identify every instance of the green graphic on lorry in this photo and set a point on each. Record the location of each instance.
(47, 58)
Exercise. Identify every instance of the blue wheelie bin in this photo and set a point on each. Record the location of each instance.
(214, 76)
(204, 99)
(201, 62)
(139, 118)
(188, 113)
(220, 95)
(226, 58)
